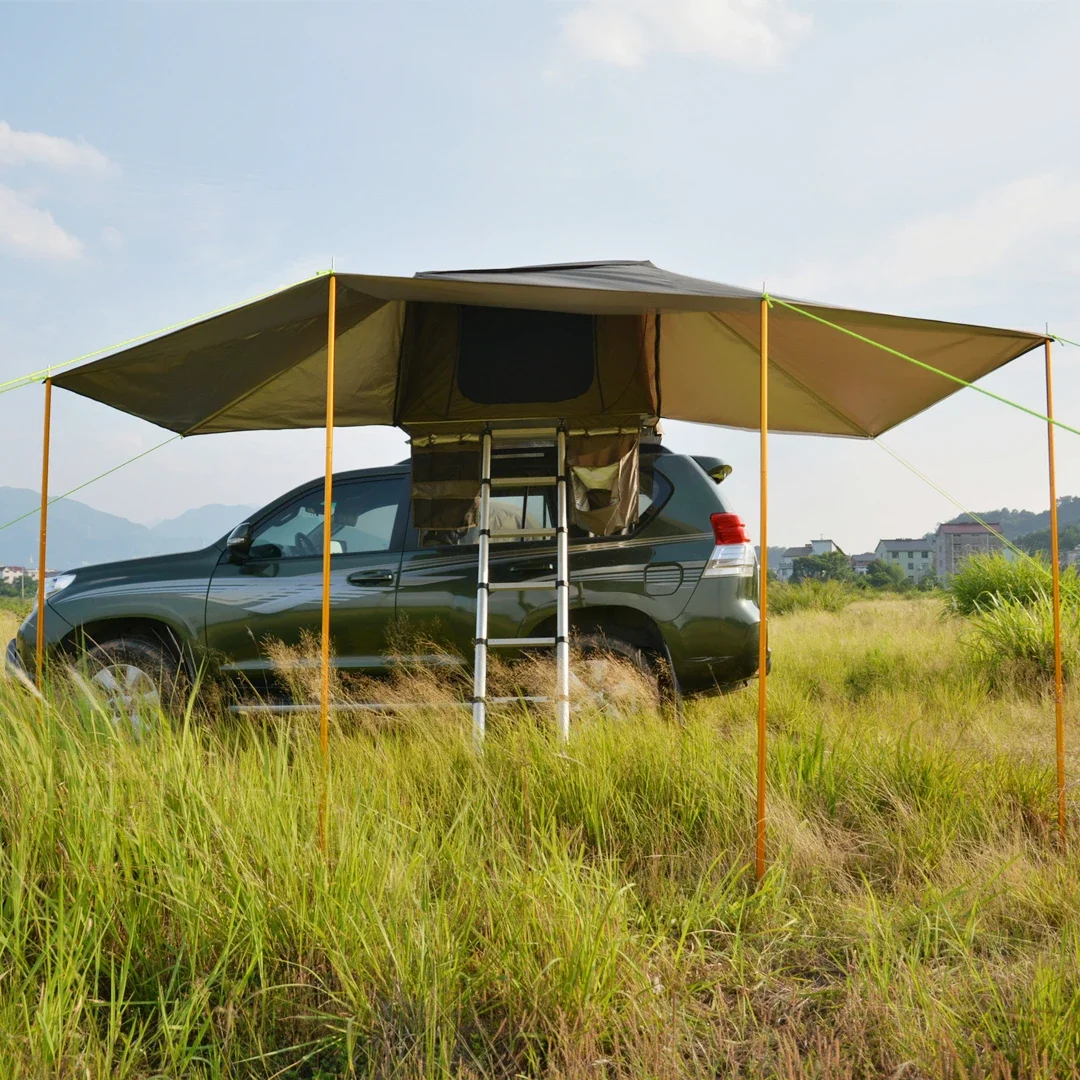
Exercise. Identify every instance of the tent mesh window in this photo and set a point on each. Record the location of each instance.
(445, 485)
(510, 356)
(605, 482)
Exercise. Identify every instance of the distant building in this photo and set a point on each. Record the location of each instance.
(861, 563)
(915, 557)
(1070, 558)
(815, 547)
(12, 575)
(787, 561)
(957, 542)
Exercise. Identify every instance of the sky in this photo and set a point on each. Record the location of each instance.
(159, 161)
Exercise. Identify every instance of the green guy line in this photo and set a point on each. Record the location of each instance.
(959, 505)
(919, 363)
(1065, 341)
(44, 373)
(87, 483)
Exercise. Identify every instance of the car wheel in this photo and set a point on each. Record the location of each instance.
(135, 679)
(614, 672)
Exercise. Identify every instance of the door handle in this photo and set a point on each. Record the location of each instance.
(371, 577)
(521, 569)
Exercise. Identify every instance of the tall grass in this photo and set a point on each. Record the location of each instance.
(165, 910)
(987, 579)
(1013, 642)
(12, 611)
(9, 623)
(1009, 635)
(810, 594)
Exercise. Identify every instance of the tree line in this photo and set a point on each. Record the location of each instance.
(835, 566)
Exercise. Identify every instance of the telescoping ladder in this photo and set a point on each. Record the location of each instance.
(561, 585)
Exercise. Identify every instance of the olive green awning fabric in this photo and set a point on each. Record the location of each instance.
(662, 344)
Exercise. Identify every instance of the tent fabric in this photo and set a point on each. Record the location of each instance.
(445, 485)
(677, 346)
(604, 482)
(606, 376)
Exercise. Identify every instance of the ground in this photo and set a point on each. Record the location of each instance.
(166, 910)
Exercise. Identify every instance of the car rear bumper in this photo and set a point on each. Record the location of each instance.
(713, 675)
(713, 644)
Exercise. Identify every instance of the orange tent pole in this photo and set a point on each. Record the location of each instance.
(763, 591)
(328, 496)
(1055, 569)
(39, 647)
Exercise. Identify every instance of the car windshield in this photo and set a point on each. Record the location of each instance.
(363, 517)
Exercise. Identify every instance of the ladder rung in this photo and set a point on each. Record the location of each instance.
(524, 433)
(512, 586)
(496, 533)
(524, 481)
(519, 642)
(514, 700)
(344, 707)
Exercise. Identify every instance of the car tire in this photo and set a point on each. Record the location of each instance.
(652, 668)
(137, 679)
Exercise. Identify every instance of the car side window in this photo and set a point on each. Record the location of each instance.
(534, 508)
(510, 508)
(652, 494)
(363, 518)
(519, 508)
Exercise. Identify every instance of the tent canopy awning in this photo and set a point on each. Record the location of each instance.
(586, 342)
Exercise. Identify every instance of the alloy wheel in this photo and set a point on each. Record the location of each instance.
(131, 695)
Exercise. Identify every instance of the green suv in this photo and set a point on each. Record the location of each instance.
(677, 591)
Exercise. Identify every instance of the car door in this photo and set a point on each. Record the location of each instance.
(646, 567)
(437, 589)
(273, 591)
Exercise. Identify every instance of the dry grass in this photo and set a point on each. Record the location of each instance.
(600, 684)
(786, 597)
(165, 911)
(9, 623)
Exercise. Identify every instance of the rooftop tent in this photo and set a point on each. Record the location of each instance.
(595, 343)
(462, 365)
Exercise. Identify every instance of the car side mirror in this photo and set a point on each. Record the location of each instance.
(239, 541)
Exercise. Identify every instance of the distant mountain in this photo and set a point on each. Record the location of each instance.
(80, 535)
(200, 526)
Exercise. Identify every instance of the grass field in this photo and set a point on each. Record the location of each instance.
(9, 622)
(165, 910)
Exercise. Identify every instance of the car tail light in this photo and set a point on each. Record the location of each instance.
(734, 555)
(729, 529)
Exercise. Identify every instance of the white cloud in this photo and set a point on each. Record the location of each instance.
(24, 227)
(750, 33)
(999, 227)
(29, 230)
(52, 151)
